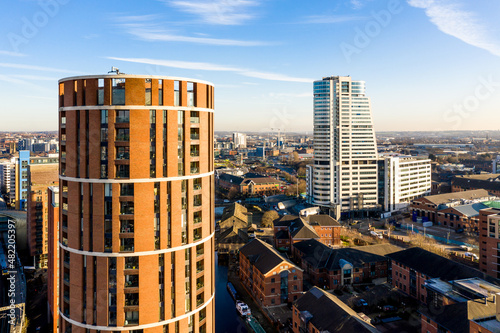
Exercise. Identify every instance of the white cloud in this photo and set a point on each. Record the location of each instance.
(215, 67)
(164, 36)
(456, 22)
(179, 64)
(223, 12)
(288, 95)
(12, 54)
(34, 77)
(275, 77)
(150, 28)
(35, 68)
(328, 19)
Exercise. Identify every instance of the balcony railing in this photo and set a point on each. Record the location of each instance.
(195, 120)
(127, 248)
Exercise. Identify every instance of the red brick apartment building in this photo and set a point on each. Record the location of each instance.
(411, 268)
(462, 216)
(489, 182)
(332, 268)
(429, 206)
(489, 241)
(270, 278)
(290, 229)
(136, 204)
(319, 311)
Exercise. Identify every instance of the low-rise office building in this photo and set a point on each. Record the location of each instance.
(248, 184)
(429, 206)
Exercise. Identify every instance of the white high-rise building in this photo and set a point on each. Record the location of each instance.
(496, 165)
(405, 178)
(240, 140)
(6, 169)
(344, 173)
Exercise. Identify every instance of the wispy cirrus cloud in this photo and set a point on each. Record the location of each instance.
(220, 12)
(164, 36)
(453, 20)
(149, 28)
(328, 19)
(215, 67)
(36, 68)
(12, 54)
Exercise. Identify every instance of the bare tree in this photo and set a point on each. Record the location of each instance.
(268, 218)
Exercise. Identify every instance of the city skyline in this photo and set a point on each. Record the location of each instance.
(428, 65)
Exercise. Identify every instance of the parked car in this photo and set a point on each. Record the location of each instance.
(389, 308)
(362, 302)
(459, 230)
(471, 255)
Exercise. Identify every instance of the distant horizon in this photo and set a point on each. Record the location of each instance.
(263, 56)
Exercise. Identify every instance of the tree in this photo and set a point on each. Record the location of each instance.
(233, 192)
(432, 157)
(301, 172)
(268, 218)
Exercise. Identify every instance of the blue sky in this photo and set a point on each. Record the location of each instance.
(428, 64)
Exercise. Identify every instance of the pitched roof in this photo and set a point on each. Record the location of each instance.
(263, 256)
(231, 236)
(449, 197)
(319, 255)
(492, 204)
(329, 314)
(236, 210)
(322, 220)
(435, 266)
(236, 180)
(452, 317)
(297, 226)
(470, 209)
(489, 182)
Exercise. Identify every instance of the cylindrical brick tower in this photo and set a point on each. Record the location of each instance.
(137, 204)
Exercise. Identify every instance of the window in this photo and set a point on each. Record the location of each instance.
(122, 153)
(104, 116)
(118, 94)
(148, 92)
(160, 92)
(122, 134)
(122, 116)
(127, 189)
(122, 171)
(100, 91)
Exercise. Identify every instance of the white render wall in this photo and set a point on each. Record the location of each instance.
(406, 178)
